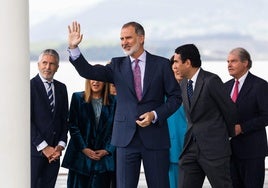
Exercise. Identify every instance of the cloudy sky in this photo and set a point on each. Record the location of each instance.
(245, 16)
(42, 9)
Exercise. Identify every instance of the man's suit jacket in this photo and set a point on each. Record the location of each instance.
(45, 125)
(158, 82)
(252, 104)
(211, 117)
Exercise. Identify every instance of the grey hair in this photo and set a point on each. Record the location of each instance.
(243, 55)
(138, 27)
(51, 52)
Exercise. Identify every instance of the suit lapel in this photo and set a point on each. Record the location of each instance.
(42, 91)
(198, 86)
(41, 87)
(57, 95)
(127, 74)
(230, 86)
(246, 87)
(184, 94)
(148, 73)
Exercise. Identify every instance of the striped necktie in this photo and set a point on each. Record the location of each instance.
(50, 96)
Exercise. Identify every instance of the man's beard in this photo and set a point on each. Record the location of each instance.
(132, 50)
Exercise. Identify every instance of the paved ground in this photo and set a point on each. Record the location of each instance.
(61, 182)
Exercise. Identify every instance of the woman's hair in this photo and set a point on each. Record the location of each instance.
(104, 94)
(171, 60)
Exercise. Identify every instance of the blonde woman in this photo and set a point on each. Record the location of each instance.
(90, 156)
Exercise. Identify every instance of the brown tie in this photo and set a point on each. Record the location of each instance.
(235, 93)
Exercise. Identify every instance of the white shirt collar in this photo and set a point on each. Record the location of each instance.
(194, 78)
(242, 80)
(44, 80)
(142, 57)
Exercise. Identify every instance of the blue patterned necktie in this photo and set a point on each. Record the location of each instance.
(190, 90)
(50, 96)
(137, 79)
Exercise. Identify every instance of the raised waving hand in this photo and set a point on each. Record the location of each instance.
(74, 37)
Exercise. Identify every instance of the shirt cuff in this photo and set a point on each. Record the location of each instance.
(61, 143)
(74, 53)
(41, 146)
(155, 117)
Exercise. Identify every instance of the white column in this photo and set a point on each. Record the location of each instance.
(14, 94)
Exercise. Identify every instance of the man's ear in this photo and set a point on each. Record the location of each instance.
(188, 62)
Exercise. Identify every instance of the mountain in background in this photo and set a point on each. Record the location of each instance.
(214, 26)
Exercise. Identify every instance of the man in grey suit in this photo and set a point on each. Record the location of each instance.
(211, 117)
(140, 129)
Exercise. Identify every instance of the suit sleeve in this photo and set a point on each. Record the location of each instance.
(92, 72)
(74, 122)
(36, 137)
(64, 115)
(224, 102)
(256, 110)
(172, 93)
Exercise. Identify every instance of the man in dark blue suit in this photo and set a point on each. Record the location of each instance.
(49, 110)
(140, 129)
(249, 147)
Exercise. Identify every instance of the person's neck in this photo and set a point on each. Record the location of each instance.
(96, 95)
(192, 73)
(137, 54)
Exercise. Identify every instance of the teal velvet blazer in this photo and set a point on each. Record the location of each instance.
(177, 126)
(86, 134)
